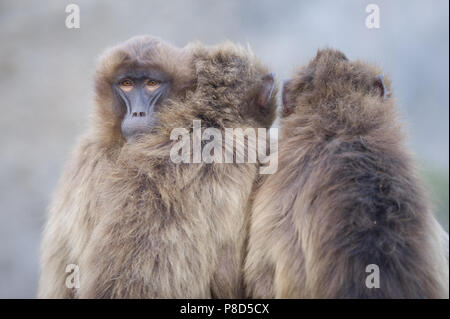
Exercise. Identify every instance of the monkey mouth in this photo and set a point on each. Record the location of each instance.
(132, 128)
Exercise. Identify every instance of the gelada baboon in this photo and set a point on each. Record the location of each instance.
(137, 224)
(345, 197)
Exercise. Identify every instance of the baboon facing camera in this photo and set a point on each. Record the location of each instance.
(137, 224)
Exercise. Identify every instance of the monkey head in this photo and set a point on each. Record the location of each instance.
(337, 92)
(233, 88)
(133, 81)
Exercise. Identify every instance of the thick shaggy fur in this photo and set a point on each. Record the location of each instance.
(345, 196)
(138, 225)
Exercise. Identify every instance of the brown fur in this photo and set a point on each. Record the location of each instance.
(138, 225)
(345, 196)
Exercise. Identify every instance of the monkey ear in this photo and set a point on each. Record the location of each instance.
(379, 85)
(287, 109)
(266, 90)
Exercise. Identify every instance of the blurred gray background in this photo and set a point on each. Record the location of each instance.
(46, 84)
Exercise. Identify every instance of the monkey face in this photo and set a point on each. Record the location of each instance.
(140, 94)
(133, 80)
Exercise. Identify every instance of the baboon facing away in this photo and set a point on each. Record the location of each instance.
(137, 224)
(345, 196)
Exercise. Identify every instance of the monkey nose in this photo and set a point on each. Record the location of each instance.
(138, 114)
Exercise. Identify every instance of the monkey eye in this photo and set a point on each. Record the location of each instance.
(152, 84)
(126, 85)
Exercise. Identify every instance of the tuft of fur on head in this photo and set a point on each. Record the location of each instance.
(334, 94)
(228, 79)
(137, 52)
